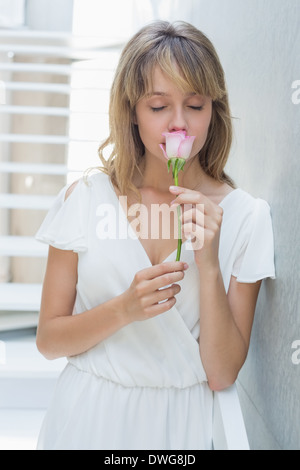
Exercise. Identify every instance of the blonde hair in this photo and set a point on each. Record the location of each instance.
(198, 69)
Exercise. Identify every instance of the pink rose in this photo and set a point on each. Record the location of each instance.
(178, 145)
(178, 150)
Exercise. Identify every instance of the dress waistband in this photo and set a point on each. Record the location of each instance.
(133, 386)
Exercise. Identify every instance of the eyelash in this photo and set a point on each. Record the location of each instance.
(195, 108)
(155, 110)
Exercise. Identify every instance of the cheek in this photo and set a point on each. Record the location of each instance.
(200, 140)
(203, 131)
(150, 130)
(144, 130)
(147, 136)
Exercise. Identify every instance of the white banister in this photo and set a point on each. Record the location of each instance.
(17, 320)
(41, 139)
(36, 110)
(20, 297)
(40, 87)
(46, 111)
(35, 34)
(47, 87)
(89, 42)
(53, 69)
(56, 51)
(34, 139)
(24, 201)
(229, 432)
(34, 168)
(22, 246)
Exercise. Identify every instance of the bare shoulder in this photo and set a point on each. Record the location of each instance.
(71, 189)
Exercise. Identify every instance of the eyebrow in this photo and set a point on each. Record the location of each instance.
(156, 93)
(162, 93)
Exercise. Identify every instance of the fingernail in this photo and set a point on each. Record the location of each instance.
(175, 189)
(186, 266)
(174, 203)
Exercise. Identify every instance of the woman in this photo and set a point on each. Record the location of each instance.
(149, 339)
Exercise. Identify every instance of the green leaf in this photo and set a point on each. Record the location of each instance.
(180, 164)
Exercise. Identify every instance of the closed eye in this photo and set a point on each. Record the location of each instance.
(155, 110)
(160, 108)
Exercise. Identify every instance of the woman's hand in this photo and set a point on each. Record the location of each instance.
(152, 291)
(201, 222)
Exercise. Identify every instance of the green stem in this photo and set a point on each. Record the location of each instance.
(179, 244)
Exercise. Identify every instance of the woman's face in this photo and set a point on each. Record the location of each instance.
(168, 109)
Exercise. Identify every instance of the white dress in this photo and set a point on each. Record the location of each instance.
(144, 387)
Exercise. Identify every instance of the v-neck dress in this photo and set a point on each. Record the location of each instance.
(144, 387)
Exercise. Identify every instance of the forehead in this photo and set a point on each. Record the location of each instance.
(161, 84)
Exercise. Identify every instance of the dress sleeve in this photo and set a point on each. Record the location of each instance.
(66, 224)
(256, 258)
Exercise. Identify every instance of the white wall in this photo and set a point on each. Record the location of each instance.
(53, 15)
(259, 45)
(12, 13)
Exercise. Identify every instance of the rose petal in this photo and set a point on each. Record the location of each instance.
(173, 142)
(163, 149)
(182, 133)
(185, 147)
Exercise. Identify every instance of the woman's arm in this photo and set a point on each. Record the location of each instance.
(225, 327)
(62, 334)
(59, 333)
(225, 319)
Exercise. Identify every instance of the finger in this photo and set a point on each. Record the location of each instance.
(180, 190)
(165, 280)
(195, 215)
(162, 295)
(191, 197)
(161, 269)
(160, 308)
(206, 221)
(195, 233)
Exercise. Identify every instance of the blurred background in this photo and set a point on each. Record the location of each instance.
(57, 60)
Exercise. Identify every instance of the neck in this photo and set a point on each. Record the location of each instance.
(156, 176)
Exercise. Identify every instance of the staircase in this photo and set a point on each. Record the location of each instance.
(27, 60)
(25, 54)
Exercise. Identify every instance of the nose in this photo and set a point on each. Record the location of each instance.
(177, 121)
